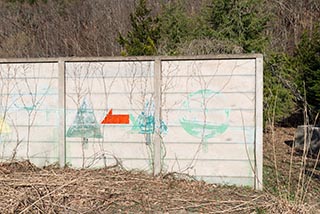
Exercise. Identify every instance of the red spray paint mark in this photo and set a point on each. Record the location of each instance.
(115, 119)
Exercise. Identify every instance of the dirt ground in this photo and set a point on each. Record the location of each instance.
(25, 188)
(288, 173)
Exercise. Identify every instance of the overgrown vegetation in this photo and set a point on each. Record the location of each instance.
(144, 36)
(307, 64)
(242, 26)
(286, 32)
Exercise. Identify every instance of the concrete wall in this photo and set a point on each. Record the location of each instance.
(29, 111)
(196, 115)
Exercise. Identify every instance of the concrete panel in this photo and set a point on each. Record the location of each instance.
(29, 106)
(114, 85)
(110, 69)
(99, 161)
(119, 150)
(43, 117)
(230, 135)
(124, 87)
(235, 117)
(227, 84)
(36, 149)
(114, 101)
(209, 106)
(30, 71)
(200, 115)
(218, 67)
(38, 161)
(230, 101)
(203, 151)
(214, 168)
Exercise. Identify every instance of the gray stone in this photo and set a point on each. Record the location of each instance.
(307, 138)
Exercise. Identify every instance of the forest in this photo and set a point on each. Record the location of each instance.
(286, 32)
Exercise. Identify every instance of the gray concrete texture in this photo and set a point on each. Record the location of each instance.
(196, 115)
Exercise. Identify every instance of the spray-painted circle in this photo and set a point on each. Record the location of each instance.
(200, 119)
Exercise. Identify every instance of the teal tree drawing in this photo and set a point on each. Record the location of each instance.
(85, 124)
(146, 124)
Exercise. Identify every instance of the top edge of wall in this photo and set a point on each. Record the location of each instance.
(130, 58)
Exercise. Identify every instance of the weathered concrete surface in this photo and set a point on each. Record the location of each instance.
(197, 115)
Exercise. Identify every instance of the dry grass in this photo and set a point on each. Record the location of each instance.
(290, 179)
(28, 189)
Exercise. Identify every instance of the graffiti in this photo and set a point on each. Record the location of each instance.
(85, 124)
(4, 127)
(203, 128)
(116, 118)
(27, 108)
(145, 123)
(37, 97)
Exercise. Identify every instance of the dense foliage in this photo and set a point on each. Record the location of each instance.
(307, 61)
(243, 24)
(143, 38)
(284, 31)
(176, 27)
(239, 21)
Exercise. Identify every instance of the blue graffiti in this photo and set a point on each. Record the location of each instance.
(146, 122)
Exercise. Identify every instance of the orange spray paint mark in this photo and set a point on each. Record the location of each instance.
(115, 119)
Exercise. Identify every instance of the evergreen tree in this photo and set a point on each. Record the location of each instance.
(144, 36)
(175, 27)
(240, 21)
(280, 90)
(307, 59)
(288, 78)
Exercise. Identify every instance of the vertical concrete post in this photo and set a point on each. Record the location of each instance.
(62, 113)
(259, 123)
(157, 102)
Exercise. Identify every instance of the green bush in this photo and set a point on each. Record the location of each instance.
(279, 88)
(307, 63)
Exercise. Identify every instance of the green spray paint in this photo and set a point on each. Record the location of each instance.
(146, 124)
(85, 124)
(206, 127)
(200, 130)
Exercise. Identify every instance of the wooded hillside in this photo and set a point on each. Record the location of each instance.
(90, 28)
(285, 31)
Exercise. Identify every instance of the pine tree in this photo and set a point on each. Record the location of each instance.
(280, 99)
(308, 65)
(144, 36)
(175, 27)
(240, 21)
